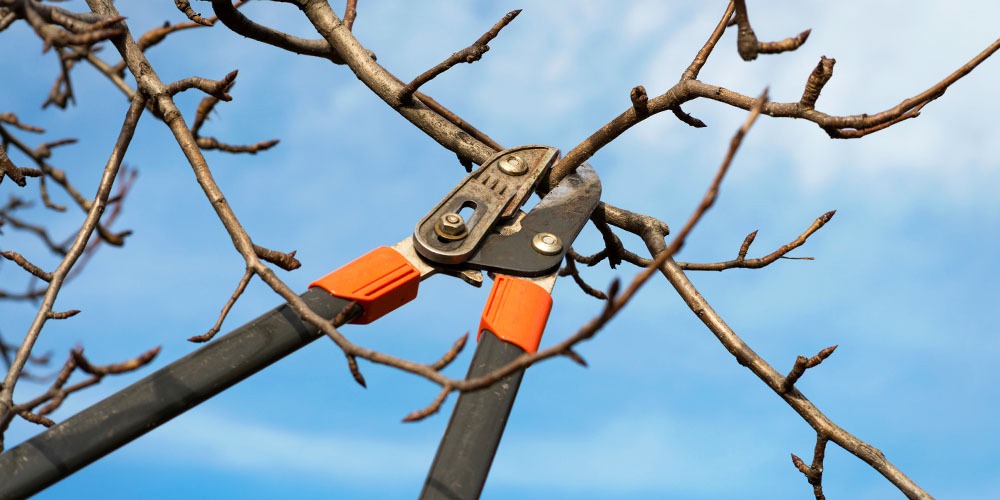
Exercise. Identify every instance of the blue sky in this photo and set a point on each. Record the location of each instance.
(904, 279)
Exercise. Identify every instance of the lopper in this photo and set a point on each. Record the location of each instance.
(479, 226)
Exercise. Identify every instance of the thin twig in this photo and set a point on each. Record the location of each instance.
(814, 472)
(747, 44)
(452, 353)
(469, 54)
(27, 266)
(350, 13)
(352, 365)
(240, 287)
(706, 50)
(430, 409)
(215, 88)
(572, 271)
(742, 262)
(72, 255)
(803, 363)
(286, 261)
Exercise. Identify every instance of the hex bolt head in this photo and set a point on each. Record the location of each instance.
(546, 244)
(513, 165)
(451, 227)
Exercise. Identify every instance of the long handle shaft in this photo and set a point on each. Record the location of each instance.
(161, 396)
(466, 451)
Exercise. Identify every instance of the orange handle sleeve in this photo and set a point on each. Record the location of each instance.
(379, 281)
(516, 312)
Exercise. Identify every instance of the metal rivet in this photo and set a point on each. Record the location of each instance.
(513, 165)
(546, 244)
(451, 227)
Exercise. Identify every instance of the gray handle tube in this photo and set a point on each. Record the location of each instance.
(141, 407)
(473, 435)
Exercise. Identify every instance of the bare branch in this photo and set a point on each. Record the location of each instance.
(205, 107)
(713, 191)
(209, 143)
(352, 365)
(286, 261)
(215, 88)
(640, 100)
(572, 271)
(114, 368)
(802, 364)
(817, 80)
(236, 21)
(350, 13)
(72, 255)
(686, 118)
(240, 287)
(469, 55)
(12, 119)
(39, 231)
(27, 266)
(747, 44)
(62, 314)
(742, 262)
(706, 50)
(35, 418)
(430, 409)
(460, 123)
(575, 357)
(814, 473)
(185, 7)
(452, 353)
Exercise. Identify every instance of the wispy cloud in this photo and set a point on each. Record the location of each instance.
(641, 452)
(240, 444)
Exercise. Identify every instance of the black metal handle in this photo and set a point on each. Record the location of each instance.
(141, 407)
(466, 452)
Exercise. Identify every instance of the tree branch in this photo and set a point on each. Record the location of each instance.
(73, 253)
(468, 55)
(742, 262)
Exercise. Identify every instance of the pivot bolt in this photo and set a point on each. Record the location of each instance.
(451, 227)
(546, 244)
(513, 165)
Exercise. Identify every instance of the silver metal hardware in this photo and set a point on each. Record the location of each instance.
(546, 244)
(451, 227)
(513, 165)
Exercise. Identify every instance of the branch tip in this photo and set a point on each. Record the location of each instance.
(469, 54)
(575, 356)
(185, 7)
(799, 464)
(640, 99)
(820, 75)
(803, 363)
(687, 118)
(286, 261)
(452, 353)
(352, 364)
(430, 409)
(62, 314)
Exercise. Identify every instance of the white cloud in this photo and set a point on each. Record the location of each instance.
(239, 444)
(627, 453)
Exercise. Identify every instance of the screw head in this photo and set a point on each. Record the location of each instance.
(451, 227)
(546, 244)
(513, 165)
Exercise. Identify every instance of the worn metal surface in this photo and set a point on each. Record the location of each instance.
(491, 194)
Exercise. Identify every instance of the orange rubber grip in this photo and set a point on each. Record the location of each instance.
(379, 281)
(516, 312)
